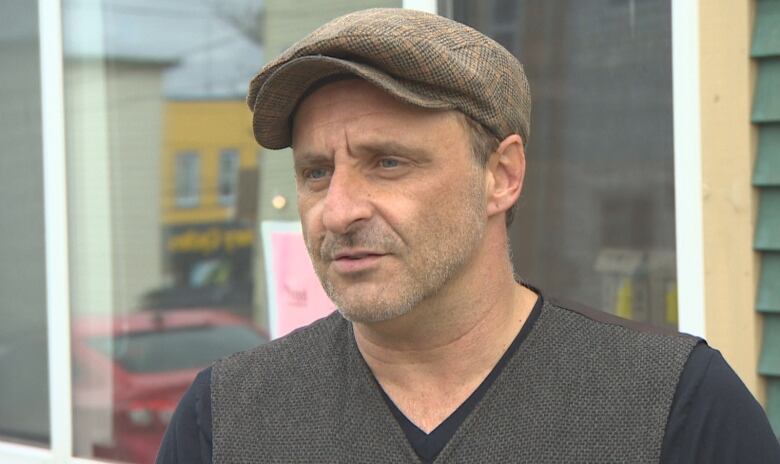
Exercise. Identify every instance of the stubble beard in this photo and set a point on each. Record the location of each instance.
(442, 246)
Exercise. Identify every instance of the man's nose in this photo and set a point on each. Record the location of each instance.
(346, 202)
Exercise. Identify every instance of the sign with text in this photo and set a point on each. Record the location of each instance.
(208, 239)
(295, 295)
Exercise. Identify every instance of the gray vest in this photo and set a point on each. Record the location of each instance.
(583, 387)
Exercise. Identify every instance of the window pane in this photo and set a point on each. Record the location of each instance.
(187, 179)
(149, 351)
(228, 176)
(24, 395)
(596, 219)
(168, 197)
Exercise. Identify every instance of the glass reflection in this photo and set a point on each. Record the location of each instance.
(24, 394)
(185, 244)
(136, 366)
(596, 219)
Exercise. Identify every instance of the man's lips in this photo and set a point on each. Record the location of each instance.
(347, 262)
(356, 254)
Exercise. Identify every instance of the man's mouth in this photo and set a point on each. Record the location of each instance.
(349, 262)
(352, 255)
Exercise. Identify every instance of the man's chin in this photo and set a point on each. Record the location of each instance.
(362, 302)
(370, 302)
(371, 315)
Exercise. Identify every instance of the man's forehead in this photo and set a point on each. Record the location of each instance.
(356, 101)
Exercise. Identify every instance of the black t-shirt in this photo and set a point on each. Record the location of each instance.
(713, 418)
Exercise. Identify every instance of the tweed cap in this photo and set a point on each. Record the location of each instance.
(420, 58)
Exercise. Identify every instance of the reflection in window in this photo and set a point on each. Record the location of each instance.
(24, 383)
(134, 367)
(596, 218)
(187, 179)
(503, 27)
(228, 177)
(167, 193)
(161, 351)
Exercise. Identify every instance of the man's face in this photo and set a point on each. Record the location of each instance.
(392, 203)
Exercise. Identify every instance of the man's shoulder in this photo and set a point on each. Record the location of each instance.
(294, 354)
(613, 335)
(610, 321)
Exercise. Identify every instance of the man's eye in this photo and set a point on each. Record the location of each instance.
(388, 163)
(315, 174)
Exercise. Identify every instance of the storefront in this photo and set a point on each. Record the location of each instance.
(132, 187)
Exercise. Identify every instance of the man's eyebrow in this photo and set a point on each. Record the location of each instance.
(391, 147)
(308, 158)
(387, 147)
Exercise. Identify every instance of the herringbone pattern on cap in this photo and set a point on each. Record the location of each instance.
(425, 59)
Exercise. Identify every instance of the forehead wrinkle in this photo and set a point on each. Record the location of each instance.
(332, 146)
(332, 96)
(348, 143)
(312, 126)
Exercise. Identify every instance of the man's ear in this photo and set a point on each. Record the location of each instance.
(506, 171)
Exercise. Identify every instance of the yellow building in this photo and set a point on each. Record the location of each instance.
(208, 204)
(207, 145)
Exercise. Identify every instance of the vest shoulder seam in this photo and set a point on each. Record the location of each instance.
(610, 319)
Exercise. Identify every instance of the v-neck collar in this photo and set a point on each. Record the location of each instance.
(427, 446)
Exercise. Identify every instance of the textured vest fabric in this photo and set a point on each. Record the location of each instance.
(582, 387)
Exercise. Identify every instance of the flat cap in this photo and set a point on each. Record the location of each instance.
(421, 58)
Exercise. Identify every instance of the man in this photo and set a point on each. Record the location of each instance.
(408, 133)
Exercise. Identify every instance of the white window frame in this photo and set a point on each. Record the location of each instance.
(422, 5)
(56, 245)
(688, 205)
(688, 199)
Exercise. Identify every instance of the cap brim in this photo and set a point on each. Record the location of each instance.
(282, 91)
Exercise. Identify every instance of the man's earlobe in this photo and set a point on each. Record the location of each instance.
(507, 170)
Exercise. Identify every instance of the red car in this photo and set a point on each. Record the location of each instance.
(131, 370)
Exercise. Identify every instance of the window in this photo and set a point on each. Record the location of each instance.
(187, 179)
(181, 348)
(167, 193)
(228, 177)
(24, 384)
(154, 92)
(596, 220)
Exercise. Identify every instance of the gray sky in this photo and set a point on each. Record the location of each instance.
(214, 59)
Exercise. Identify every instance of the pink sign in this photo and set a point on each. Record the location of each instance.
(300, 299)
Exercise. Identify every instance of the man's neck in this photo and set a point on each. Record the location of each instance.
(430, 360)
